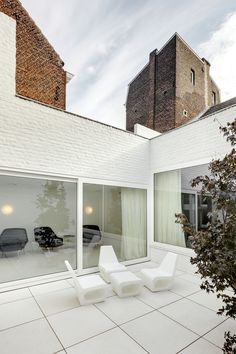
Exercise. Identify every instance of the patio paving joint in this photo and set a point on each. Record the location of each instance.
(45, 317)
(119, 326)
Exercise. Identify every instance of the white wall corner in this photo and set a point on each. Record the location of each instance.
(145, 132)
(7, 55)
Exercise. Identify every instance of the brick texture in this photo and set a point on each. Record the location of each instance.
(137, 104)
(170, 99)
(39, 69)
(165, 88)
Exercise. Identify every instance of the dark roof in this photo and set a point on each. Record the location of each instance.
(219, 107)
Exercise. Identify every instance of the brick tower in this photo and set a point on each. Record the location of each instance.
(174, 87)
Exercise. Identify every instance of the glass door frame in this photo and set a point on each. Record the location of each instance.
(193, 192)
(48, 278)
(81, 182)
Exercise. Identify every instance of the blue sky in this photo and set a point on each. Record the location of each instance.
(105, 43)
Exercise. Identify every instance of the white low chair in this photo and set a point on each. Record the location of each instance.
(108, 263)
(161, 278)
(90, 288)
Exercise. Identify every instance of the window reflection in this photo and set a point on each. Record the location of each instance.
(174, 194)
(118, 218)
(38, 226)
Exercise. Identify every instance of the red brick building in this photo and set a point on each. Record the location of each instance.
(174, 87)
(39, 69)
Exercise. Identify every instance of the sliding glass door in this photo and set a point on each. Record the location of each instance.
(39, 218)
(116, 216)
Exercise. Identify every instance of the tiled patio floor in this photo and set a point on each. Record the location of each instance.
(47, 319)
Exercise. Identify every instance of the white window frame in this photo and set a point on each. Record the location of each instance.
(102, 182)
(165, 246)
(48, 278)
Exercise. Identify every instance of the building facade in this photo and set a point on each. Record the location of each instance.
(173, 88)
(90, 183)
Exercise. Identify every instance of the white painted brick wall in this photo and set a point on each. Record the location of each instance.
(37, 138)
(145, 132)
(7, 55)
(193, 144)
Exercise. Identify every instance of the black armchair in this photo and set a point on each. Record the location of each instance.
(46, 237)
(13, 239)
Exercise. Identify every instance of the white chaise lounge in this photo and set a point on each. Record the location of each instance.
(90, 288)
(161, 278)
(108, 263)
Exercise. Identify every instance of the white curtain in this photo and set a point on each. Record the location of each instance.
(134, 225)
(167, 203)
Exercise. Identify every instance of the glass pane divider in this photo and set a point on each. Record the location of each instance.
(79, 225)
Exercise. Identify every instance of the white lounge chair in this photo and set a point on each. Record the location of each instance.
(108, 263)
(161, 278)
(89, 289)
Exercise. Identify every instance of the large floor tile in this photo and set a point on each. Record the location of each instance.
(158, 334)
(49, 287)
(76, 325)
(114, 341)
(193, 316)
(14, 295)
(207, 300)
(57, 301)
(201, 346)
(18, 312)
(157, 299)
(183, 264)
(195, 279)
(183, 287)
(121, 310)
(31, 338)
(216, 336)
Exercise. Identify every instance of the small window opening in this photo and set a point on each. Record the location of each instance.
(213, 97)
(185, 113)
(192, 77)
(57, 93)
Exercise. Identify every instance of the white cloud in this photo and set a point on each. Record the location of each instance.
(220, 50)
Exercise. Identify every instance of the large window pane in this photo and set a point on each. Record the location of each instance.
(173, 194)
(38, 226)
(167, 196)
(113, 216)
